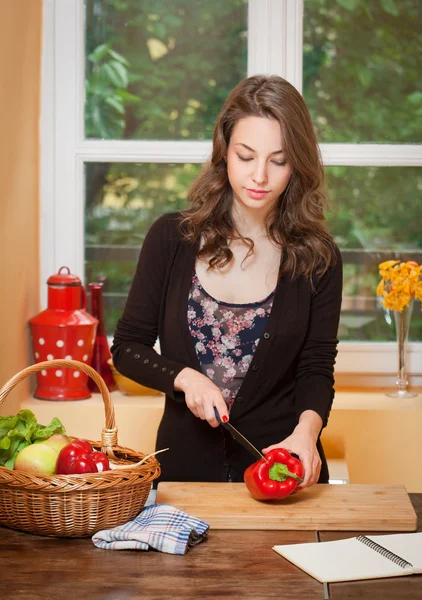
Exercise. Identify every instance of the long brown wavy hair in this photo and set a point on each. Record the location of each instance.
(296, 223)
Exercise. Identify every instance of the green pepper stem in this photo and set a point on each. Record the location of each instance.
(280, 472)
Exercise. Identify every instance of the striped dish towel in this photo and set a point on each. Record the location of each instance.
(159, 527)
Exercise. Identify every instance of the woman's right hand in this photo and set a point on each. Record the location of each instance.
(201, 396)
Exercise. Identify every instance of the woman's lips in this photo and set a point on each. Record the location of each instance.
(257, 194)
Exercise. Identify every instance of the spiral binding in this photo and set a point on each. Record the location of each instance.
(398, 560)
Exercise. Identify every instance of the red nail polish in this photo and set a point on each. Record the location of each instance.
(224, 419)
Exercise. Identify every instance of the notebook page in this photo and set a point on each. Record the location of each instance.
(406, 545)
(340, 560)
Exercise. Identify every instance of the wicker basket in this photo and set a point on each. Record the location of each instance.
(77, 505)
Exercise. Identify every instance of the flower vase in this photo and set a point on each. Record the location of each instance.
(402, 321)
(101, 353)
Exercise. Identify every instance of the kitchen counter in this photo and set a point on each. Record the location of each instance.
(232, 564)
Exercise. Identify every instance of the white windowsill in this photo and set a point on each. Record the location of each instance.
(344, 400)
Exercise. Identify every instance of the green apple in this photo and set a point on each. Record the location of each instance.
(37, 458)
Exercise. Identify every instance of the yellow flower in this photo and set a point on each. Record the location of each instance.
(387, 264)
(400, 283)
(380, 288)
(418, 291)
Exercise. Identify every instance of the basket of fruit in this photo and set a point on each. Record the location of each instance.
(55, 485)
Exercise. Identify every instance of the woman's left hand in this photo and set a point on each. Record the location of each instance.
(302, 443)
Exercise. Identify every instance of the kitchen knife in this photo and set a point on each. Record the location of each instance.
(239, 437)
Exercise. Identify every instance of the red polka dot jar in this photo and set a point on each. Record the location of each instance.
(63, 330)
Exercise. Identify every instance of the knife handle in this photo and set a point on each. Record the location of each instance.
(219, 419)
(217, 415)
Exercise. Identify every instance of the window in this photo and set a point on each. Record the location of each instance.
(359, 93)
(130, 94)
(159, 70)
(122, 200)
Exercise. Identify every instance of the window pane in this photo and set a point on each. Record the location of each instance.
(161, 69)
(362, 68)
(376, 215)
(122, 202)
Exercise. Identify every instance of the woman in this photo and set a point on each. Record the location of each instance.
(243, 290)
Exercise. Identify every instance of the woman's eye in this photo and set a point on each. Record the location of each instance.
(275, 162)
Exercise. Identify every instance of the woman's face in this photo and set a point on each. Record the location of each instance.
(257, 170)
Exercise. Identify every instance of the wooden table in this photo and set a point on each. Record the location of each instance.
(230, 564)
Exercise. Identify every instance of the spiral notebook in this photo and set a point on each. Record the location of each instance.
(362, 557)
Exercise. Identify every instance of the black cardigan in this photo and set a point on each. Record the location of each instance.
(291, 371)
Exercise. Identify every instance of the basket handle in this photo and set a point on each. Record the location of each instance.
(109, 433)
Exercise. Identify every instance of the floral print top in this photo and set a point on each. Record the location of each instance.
(225, 336)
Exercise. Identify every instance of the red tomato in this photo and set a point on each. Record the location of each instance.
(100, 460)
(82, 464)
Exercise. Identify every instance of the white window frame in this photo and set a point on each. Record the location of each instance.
(275, 40)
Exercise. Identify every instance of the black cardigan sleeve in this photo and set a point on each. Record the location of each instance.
(137, 330)
(315, 367)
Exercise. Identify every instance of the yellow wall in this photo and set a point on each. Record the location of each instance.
(20, 67)
(379, 437)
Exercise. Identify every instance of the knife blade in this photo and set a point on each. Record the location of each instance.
(236, 435)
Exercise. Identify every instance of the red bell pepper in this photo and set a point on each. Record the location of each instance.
(81, 464)
(80, 457)
(100, 460)
(274, 477)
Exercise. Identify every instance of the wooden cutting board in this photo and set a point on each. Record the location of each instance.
(349, 507)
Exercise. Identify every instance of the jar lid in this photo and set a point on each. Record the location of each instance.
(62, 278)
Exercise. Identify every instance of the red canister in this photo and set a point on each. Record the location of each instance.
(63, 330)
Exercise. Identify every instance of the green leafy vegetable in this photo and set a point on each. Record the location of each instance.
(21, 430)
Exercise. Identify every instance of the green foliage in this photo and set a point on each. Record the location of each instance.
(19, 431)
(375, 207)
(181, 59)
(106, 93)
(131, 198)
(362, 65)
